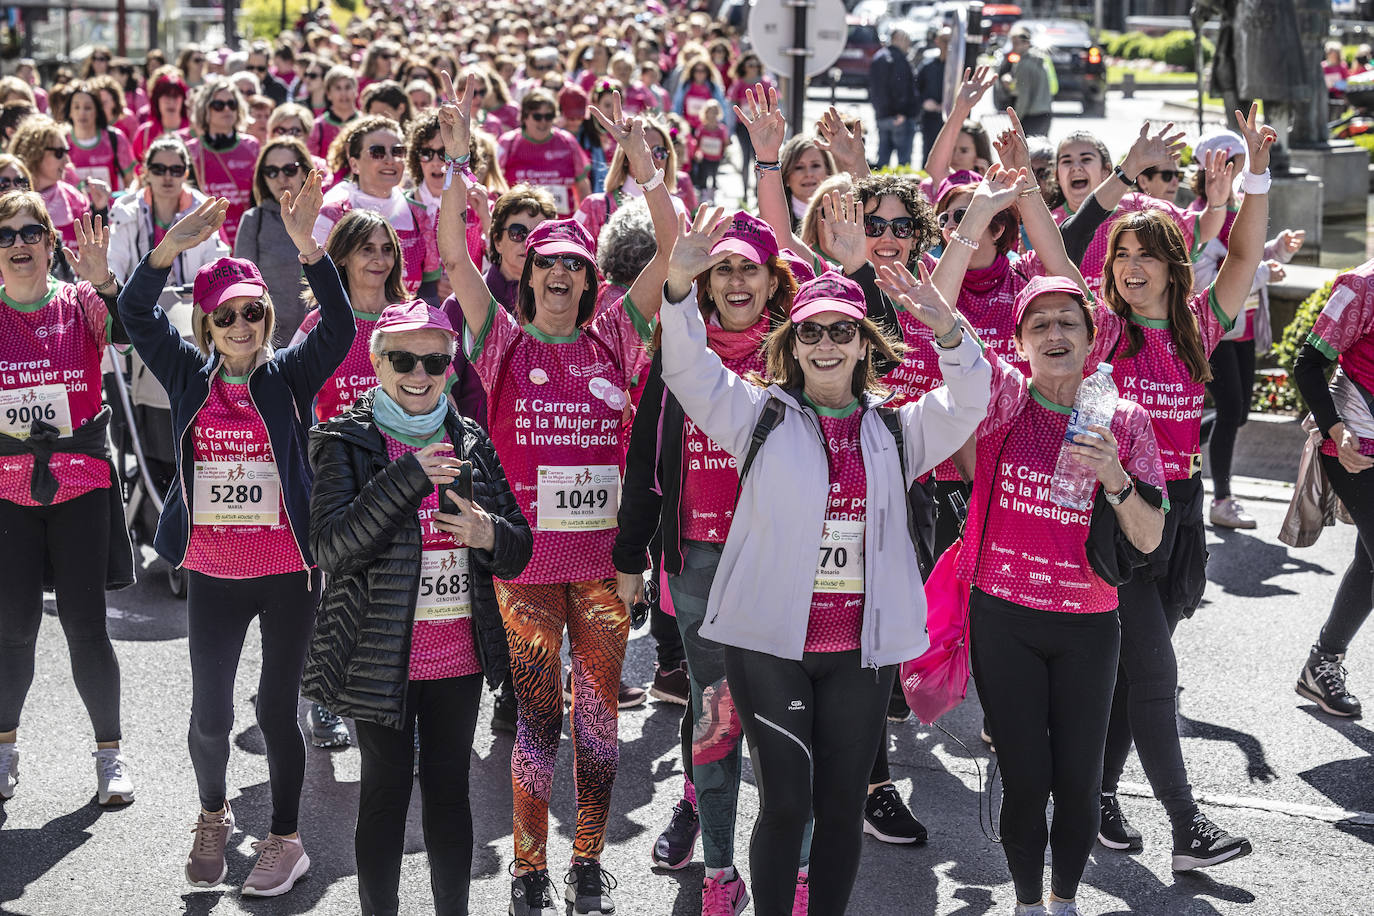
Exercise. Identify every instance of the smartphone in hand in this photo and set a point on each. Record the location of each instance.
(462, 486)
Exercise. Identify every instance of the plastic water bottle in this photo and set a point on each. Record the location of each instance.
(1095, 405)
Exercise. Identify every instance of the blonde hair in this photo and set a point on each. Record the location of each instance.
(200, 328)
(31, 141)
(200, 113)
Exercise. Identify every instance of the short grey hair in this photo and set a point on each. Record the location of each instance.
(627, 243)
(381, 341)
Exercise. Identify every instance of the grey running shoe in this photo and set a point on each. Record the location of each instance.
(326, 729)
(281, 863)
(114, 783)
(9, 769)
(205, 866)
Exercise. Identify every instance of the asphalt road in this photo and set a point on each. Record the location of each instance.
(1263, 762)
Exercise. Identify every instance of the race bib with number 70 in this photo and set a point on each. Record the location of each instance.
(840, 564)
(20, 407)
(578, 497)
(237, 493)
(445, 585)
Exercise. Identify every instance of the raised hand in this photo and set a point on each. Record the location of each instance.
(918, 296)
(299, 211)
(764, 121)
(845, 144)
(628, 134)
(98, 190)
(999, 187)
(89, 259)
(974, 86)
(1158, 150)
(196, 226)
(1258, 139)
(1011, 144)
(1219, 175)
(842, 230)
(692, 249)
(1290, 241)
(455, 116)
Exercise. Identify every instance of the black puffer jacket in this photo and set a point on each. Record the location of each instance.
(365, 535)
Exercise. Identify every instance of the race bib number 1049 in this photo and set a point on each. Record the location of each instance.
(578, 498)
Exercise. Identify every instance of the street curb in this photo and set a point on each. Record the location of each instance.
(1323, 813)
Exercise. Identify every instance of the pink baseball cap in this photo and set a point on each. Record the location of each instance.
(414, 315)
(561, 236)
(749, 236)
(572, 101)
(1040, 286)
(224, 279)
(956, 179)
(830, 292)
(801, 268)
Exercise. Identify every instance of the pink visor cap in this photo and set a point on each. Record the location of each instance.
(224, 279)
(414, 315)
(830, 292)
(562, 236)
(1040, 286)
(954, 180)
(749, 236)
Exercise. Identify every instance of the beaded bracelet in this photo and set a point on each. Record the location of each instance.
(455, 165)
(761, 166)
(963, 240)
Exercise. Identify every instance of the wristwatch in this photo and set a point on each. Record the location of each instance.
(1119, 172)
(1117, 499)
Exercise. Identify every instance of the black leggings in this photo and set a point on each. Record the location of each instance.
(447, 713)
(1045, 680)
(73, 537)
(1355, 596)
(813, 728)
(1233, 378)
(218, 612)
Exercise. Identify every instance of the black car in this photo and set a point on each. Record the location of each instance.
(856, 58)
(1078, 63)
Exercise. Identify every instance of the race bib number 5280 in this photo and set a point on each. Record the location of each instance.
(237, 493)
(578, 498)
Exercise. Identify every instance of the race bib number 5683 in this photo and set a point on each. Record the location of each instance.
(445, 585)
(578, 498)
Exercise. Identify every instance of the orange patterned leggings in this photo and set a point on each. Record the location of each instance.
(598, 625)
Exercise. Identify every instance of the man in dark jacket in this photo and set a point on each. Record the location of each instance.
(930, 91)
(892, 92)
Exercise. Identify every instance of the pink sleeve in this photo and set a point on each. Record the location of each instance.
(432, 265)
(1109, 327)
(627, 332)
(308, 323)
(1138, 450)
(1211, 320)
(1009, 391)
(1347, 316)
(486, 349)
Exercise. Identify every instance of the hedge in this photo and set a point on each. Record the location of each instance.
(1276, 392)
(1173, 48)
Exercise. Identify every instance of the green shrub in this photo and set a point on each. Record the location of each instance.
(1130, 46)
(1176, 49)
(1276, 391)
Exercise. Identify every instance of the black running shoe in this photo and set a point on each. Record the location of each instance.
(1115, 832)
(897, 708)
(1202, 843)
(1323, 682)
(503, 711)
(589, 889)
(531, 894)
(887, 818)
(677, 843)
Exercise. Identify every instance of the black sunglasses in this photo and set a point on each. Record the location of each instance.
(17, 184)
(569, 262)
(1166, 174)
(253, 312)
(258, 69)
(290, 170)
(158, 169)
(517, 232)
(842, 332)
(314, 76)
(542, 115)
(903, 227)
(222, 104)
(952, 217)
(288, 132)
(379, 152)
(31, 234)
(428, 153)
(404, 361)
(100, 58)
(660, 153)
(61, 152)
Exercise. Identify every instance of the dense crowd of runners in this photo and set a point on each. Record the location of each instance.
(478, 358)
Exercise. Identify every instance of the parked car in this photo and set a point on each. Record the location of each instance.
(997, 21)
(1078, 63)
(862, 44)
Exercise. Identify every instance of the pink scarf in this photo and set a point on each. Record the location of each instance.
(733, 345)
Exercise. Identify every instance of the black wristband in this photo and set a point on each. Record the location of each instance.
(1119, 172)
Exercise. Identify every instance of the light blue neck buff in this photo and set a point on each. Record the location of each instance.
(392, 418)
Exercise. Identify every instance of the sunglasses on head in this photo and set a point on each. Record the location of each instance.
(15, 184)
(222, 104)
(660, 153)
(378, 151)
(403, 361)
(542, 115)
(1166, 174)
(31, 234)
(842, 332)
(952, 217)
(570, 262)
(158, 169)
(61, 152)
(288, 132)
(253, 312)
(903, 227)
(429, 153)
(290, 170)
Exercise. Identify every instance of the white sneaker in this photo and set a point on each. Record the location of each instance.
(114, 783)
(9, 769)
(1228, 513)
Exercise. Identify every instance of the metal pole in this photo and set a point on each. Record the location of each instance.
(121, 25)
(1196, 15)
(797, 92)
(973, 41)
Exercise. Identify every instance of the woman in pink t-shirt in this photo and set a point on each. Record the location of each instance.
(58, 508)
(341, 92)
(167, 113)
(222, 155)
(556, 380)
(549, 157)
(98, 149)
(376, 519)
(42, 144)
(595, 209)
(1159, 334)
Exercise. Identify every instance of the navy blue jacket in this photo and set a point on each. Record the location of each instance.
(282, 388)
(892, 85)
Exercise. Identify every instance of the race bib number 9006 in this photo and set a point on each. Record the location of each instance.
(20, 407)
(578, 498)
